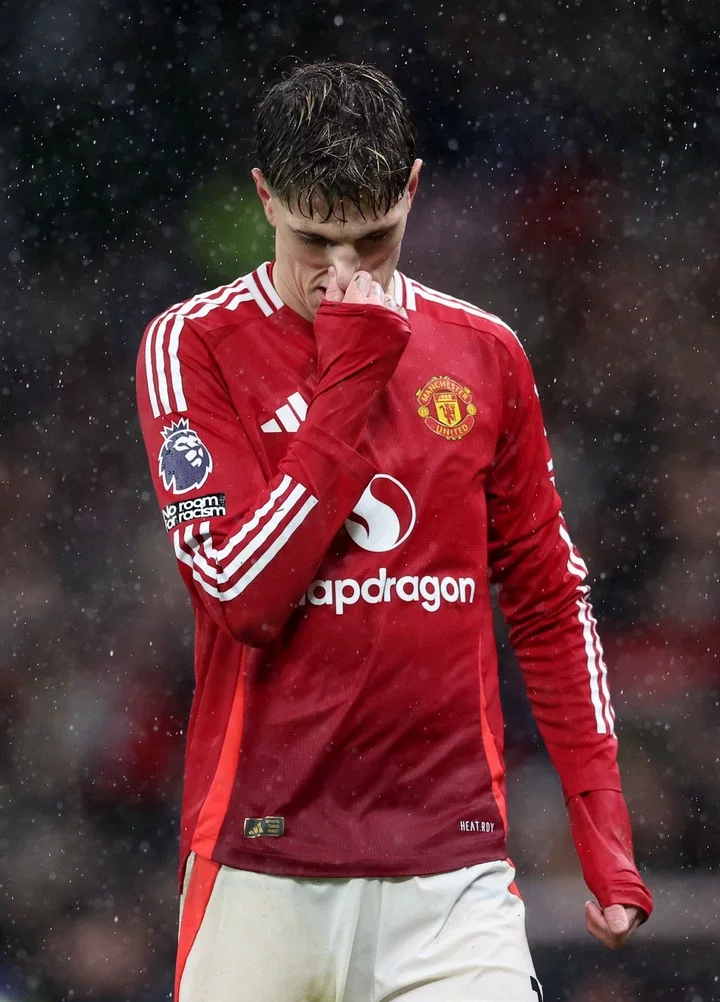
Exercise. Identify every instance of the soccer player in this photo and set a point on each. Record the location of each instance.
(342, 456)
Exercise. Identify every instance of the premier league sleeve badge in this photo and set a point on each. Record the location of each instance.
(184, 462)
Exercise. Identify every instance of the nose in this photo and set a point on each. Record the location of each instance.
(346, 262)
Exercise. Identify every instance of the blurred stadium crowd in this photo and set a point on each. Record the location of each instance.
(571, 187)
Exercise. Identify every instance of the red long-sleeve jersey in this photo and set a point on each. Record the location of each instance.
(346, 718)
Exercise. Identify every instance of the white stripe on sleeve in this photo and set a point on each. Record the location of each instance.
(186, 558)
(155, 363)
(214, 563)
(576, 564)
(160, 365)
(605, 691)
(597, 669)
(149, 375)
(585, 620)
(175, 374)
(256, 542)
(250, 526)
(210, 566)
(271, 551)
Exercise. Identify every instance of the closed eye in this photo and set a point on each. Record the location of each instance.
(316, 241)
(313, 241)
(375, 238)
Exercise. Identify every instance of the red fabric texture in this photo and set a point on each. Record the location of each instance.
(600, 827)
(358, 350)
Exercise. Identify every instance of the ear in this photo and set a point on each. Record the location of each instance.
(412, 184)
(265, 195)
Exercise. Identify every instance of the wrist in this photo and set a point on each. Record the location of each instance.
(354, 339)
(600, 827)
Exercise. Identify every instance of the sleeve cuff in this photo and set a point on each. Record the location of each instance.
(600, 827)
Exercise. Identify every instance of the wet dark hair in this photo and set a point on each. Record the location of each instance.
(332, 133)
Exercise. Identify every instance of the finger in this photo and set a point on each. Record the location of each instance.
(333, 292)
(390, 304)
(376, 292)
(622, 921)
(358, 288)
(635, 920)
(617, 919)
(598, 927)
(637, 915)
(363, 281)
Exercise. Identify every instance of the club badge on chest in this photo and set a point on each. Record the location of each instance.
(446, 407)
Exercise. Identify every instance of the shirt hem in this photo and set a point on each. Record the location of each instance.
(414, 866)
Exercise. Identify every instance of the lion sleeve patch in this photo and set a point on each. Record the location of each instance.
(184, 462)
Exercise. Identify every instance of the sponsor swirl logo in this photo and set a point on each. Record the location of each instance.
(384, 516)
(446, 407)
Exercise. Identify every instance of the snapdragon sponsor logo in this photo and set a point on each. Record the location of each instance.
(430, 591)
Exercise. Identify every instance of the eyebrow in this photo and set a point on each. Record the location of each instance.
(378, 232)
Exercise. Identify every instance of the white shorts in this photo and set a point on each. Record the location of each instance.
(450, 937)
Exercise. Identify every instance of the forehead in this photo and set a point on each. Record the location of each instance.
(345, 218)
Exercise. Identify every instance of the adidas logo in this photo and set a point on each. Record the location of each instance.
(287, 417)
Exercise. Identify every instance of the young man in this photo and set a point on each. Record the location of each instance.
(341, 456)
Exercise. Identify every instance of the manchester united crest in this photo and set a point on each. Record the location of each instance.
(446, 407)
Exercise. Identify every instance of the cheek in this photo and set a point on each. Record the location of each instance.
(382, 258)
(309, 264)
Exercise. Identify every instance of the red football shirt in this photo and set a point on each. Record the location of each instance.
(346, 718)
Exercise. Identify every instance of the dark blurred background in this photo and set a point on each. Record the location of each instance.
(572, 157)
